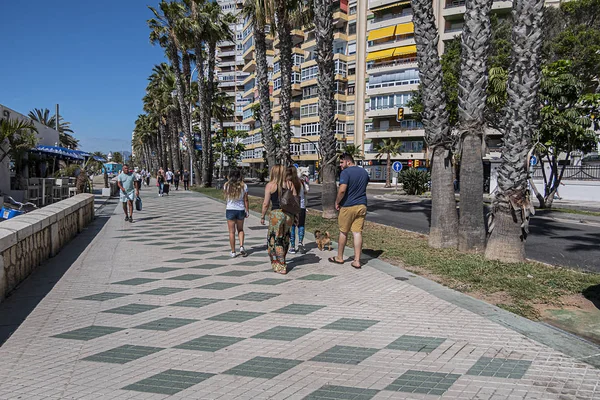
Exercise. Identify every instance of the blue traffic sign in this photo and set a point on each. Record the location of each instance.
(397, 166)
(533, 161)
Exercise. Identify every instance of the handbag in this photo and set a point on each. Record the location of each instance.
(289, 203)
(138, 204)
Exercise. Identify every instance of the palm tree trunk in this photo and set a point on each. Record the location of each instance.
(444, 218)
(186, 65)
(266, 120)
(285, 62)
(159, 144)
(175, 145)
(471, 103)
(207, 163)
(325, 86)
(511, 209)
(388, 179)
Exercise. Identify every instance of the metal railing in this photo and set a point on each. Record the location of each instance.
(581, 173)
(393, 63)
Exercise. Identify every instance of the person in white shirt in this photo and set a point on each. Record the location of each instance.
(236, 195)
(302, 183)
(169, 176)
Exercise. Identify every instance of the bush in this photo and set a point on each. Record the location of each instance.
(415, 182)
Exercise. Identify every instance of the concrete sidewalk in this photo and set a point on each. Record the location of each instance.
(157, 309)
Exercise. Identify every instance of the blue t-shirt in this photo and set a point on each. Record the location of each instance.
(357, 180)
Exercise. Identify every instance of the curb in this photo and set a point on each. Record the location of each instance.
(557, 339)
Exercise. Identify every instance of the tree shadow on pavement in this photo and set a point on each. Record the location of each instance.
(592, 293)
(25, 297)
(302, 259)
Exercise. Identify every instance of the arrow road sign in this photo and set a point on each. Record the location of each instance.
(397, 166)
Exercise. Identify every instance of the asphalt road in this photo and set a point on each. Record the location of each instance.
(558, 242)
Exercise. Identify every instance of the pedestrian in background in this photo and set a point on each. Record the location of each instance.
(237, 209)
(160, 182)
(280, 222)
(128, 185)
(176, 180)
(302, 188)
(186, 180)
(351, 201)
(169, 176)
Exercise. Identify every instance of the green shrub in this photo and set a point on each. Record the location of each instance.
(415, 182)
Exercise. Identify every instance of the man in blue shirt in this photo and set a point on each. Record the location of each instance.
(351, 201)
(127, 182)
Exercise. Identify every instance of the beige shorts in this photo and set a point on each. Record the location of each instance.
(352, 218)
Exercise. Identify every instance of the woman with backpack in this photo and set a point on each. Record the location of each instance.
(237, 209)
(281, 195)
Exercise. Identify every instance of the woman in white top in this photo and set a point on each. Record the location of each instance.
(236, 195)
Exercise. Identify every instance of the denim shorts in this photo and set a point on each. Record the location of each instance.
(232, 215)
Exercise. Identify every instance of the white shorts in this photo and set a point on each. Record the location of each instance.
(124, 197)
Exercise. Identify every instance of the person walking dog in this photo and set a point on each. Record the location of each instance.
(351, 201)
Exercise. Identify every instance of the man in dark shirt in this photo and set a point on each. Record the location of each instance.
(351, 201)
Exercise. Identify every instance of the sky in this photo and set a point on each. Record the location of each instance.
(93, 58)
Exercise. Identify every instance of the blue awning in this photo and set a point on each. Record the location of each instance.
(59, 151)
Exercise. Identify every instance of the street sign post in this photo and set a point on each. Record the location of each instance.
(397, 166)
(533, 161)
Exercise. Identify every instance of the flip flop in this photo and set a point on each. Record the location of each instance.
(355, 267)
(333, 260)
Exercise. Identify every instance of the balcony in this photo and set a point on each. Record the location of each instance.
(386, 112)
(382, 66)
(391, 19)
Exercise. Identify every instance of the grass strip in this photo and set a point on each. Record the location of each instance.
(578, 212)
(515, 287)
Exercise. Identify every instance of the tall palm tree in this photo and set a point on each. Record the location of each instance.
(444, 219)
(223, 107)
(65, 139)
(257, 12)
(323, 23)
(477, 32)
(288, 14)
(388, 147)
(164, 29)
(511, 208)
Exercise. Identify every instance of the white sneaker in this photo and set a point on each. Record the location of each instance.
(232, 254)
(243, 252)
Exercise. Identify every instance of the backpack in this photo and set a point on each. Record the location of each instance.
(289, 203)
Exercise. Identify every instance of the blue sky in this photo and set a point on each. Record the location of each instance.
(91, 57)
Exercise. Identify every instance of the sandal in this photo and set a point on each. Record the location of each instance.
(355, 267)
(333, 260)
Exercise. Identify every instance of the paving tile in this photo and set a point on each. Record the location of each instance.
(345, 355)
(270, 281)
(195, 302)
(236, 316)
(123, 354)
(209, 266)
(164, 291)
(286, 333)
(256, 296)
(88, 333)
(433, 383)
(351, 324)
(263, 367)
(237, 273)
(199, 252)
(169, 382)
(180, 248)
(219, 285)
(316, 277)
(131, 309)
(165, 324)
(187, 277)
(250, 263)
(135, 281)
(299, 309)
(209, 343)
(331, 392)
(220, 258)
(161, 269)
(500, 368)
(416, 343)
(183, 260)
(103, 296)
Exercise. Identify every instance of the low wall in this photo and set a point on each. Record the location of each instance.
(575, 190)
(29, 239)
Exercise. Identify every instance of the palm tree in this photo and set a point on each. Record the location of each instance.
(353, 150)
(388, 147)
(164, 29)
(257, 12)
(323, 22)
(511, 208)
(288, 13)
(222, 108)
(65, 139)
(444, 219)
(477, 32)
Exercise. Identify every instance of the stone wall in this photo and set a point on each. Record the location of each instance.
(28, 240)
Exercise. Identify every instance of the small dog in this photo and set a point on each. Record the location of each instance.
(323, 240)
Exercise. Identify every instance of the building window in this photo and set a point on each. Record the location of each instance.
(309, 73)
(351, 48)
(311, 129)
(309, 92)
(406, 77)
(309, 110)
(352, 29)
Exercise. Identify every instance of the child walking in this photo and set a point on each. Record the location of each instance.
(236, 195)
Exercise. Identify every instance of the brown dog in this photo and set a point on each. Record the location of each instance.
(323, 240)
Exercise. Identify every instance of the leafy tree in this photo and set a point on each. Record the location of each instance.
(388, 147)
(414, 182)
(353, 150)
(565, 125)
(117, 157)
